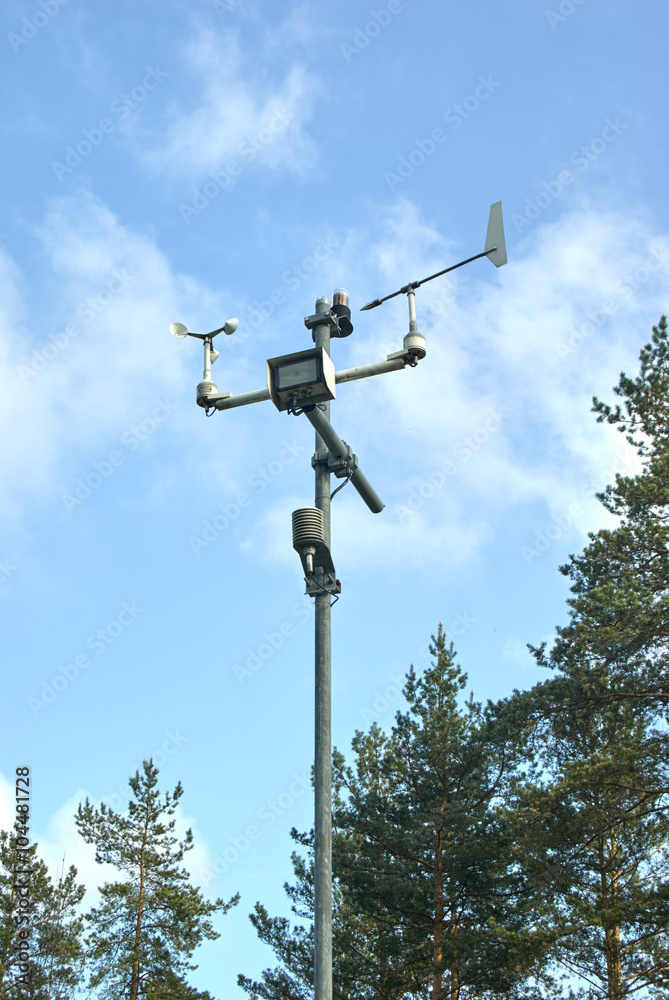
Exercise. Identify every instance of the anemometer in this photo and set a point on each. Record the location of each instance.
(305, 383)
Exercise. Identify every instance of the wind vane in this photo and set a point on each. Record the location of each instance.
(305, 382)
(495, 249)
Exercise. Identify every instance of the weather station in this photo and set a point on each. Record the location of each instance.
(305, 383)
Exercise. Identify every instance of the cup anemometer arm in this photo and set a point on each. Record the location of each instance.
(338, 318)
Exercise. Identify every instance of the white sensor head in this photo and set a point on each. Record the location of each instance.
(179, 330)
(231, 325)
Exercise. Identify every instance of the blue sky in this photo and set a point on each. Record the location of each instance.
(171, 161)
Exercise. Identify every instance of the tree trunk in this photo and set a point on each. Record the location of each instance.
(611, 931)
(438, 921)
(3, 958)
(134, 981)
(455, 974)
(613, 962)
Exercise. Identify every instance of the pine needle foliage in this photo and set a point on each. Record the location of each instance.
(619, 608)
(428, 898)
(49, 923)
(590, 823)
(142, 935)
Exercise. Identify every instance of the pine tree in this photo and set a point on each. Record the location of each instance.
(423, 846)
(360, 966)
(48, 923)
(619, 618)
(443, 889)
(593, 830)
(148, 924)
(428, 892)
(591, 833)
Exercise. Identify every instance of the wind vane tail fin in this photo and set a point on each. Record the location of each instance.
(495, 245)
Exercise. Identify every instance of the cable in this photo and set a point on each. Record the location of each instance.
(297, 410)
(320, 587)
(347, 480)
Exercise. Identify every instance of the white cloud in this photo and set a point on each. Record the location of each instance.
(237, 109)
(61, 845)
(516, 651)
(495, 402)
(7, 802)
(505, 391)
(67, 393)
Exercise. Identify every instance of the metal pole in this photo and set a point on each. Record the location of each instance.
(323, 738)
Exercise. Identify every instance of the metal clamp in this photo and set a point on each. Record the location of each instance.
(340, 466)
(319, 319)
(319, 582)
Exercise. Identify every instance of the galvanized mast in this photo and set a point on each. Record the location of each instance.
(323, 724)
(304, 382)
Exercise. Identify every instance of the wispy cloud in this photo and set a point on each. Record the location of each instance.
(493, 355)
(232, 113)
(493, 350)
(76, 372)
(60, 843)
